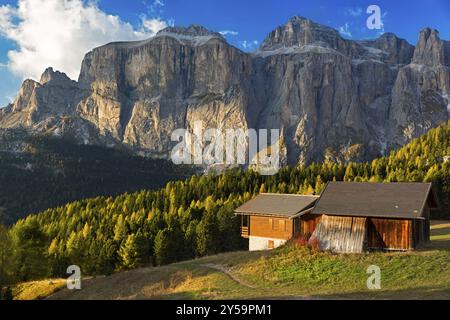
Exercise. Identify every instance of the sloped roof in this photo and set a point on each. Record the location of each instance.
(386, 200)
(282, 205)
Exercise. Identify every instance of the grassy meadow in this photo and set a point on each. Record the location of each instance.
(289, 272)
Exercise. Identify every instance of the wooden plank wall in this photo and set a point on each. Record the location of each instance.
(308, 224)
(273, 228)
(427, 225)
(341, 234)
(390, 234)
(421, 233)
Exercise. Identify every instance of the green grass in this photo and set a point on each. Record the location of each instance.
(440, 232)
(37, 289)
(301, 272)
(286, 273)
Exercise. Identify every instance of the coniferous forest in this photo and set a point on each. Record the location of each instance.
(191, 218)
(40, 172)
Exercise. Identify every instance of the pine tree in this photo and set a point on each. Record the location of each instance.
(120, 229)
(349, 173)
(263, 188)
(6, 256)
(129, 253)
(162, 246)
(190, 239)
(31, 249)
(86, 231)
(207, 235)
(53, 248)
(319, 185)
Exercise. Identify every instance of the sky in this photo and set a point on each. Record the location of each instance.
(36, 34)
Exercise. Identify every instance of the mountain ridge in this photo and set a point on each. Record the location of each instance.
(332, 98)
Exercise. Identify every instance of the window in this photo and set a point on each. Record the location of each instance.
(277, 224)
(282, 225)
(245, 221)
(271, 244)
(296, 226)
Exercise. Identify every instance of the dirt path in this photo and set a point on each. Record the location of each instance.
(229, 274)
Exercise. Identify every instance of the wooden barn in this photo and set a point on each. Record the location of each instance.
(355, 217)
(270, 220)
(347, 218)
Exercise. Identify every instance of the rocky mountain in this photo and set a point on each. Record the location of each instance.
(332, 98)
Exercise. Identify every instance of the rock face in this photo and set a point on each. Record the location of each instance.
(331, 98)
(141, 92)
(48, 106)
(420, 97)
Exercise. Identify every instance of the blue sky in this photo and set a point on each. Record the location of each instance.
(51, 32)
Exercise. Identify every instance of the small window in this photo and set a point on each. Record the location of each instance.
(275, 225)
(271, 224)
(245, 221)
(282, 225)
(271, 244)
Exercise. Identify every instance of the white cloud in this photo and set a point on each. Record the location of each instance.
(345, 30)
(249, 45)
(354, 12)
(58, 33)
(382, 30)
(229, 33)
(5, 12)
(152, 26)
(157, 5)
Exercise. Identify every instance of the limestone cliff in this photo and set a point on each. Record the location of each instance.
(330, 97)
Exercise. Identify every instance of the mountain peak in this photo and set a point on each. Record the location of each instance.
(430, 49)
(299, 19)
(193, 30)
(51, 76)
(388, 35)
(299, 31)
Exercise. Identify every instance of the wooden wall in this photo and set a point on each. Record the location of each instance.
(273, 228)
(390, 234)
(427, 225)
(344, 233)
(307, 225)
(421, 230)
(341, 234)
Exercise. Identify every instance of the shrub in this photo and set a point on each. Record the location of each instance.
(301, 241)
(6, 294)
(314, 243)
(306, 241)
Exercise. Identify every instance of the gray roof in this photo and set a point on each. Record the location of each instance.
(281, 205)
(384, 200)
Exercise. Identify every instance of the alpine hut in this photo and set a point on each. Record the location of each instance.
(270, 220)
(356, 217)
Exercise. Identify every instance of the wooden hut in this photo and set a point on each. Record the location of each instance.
(355, 217)
(270, 220)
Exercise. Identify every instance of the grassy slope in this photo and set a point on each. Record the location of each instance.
(37, 289)
(288, 272)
